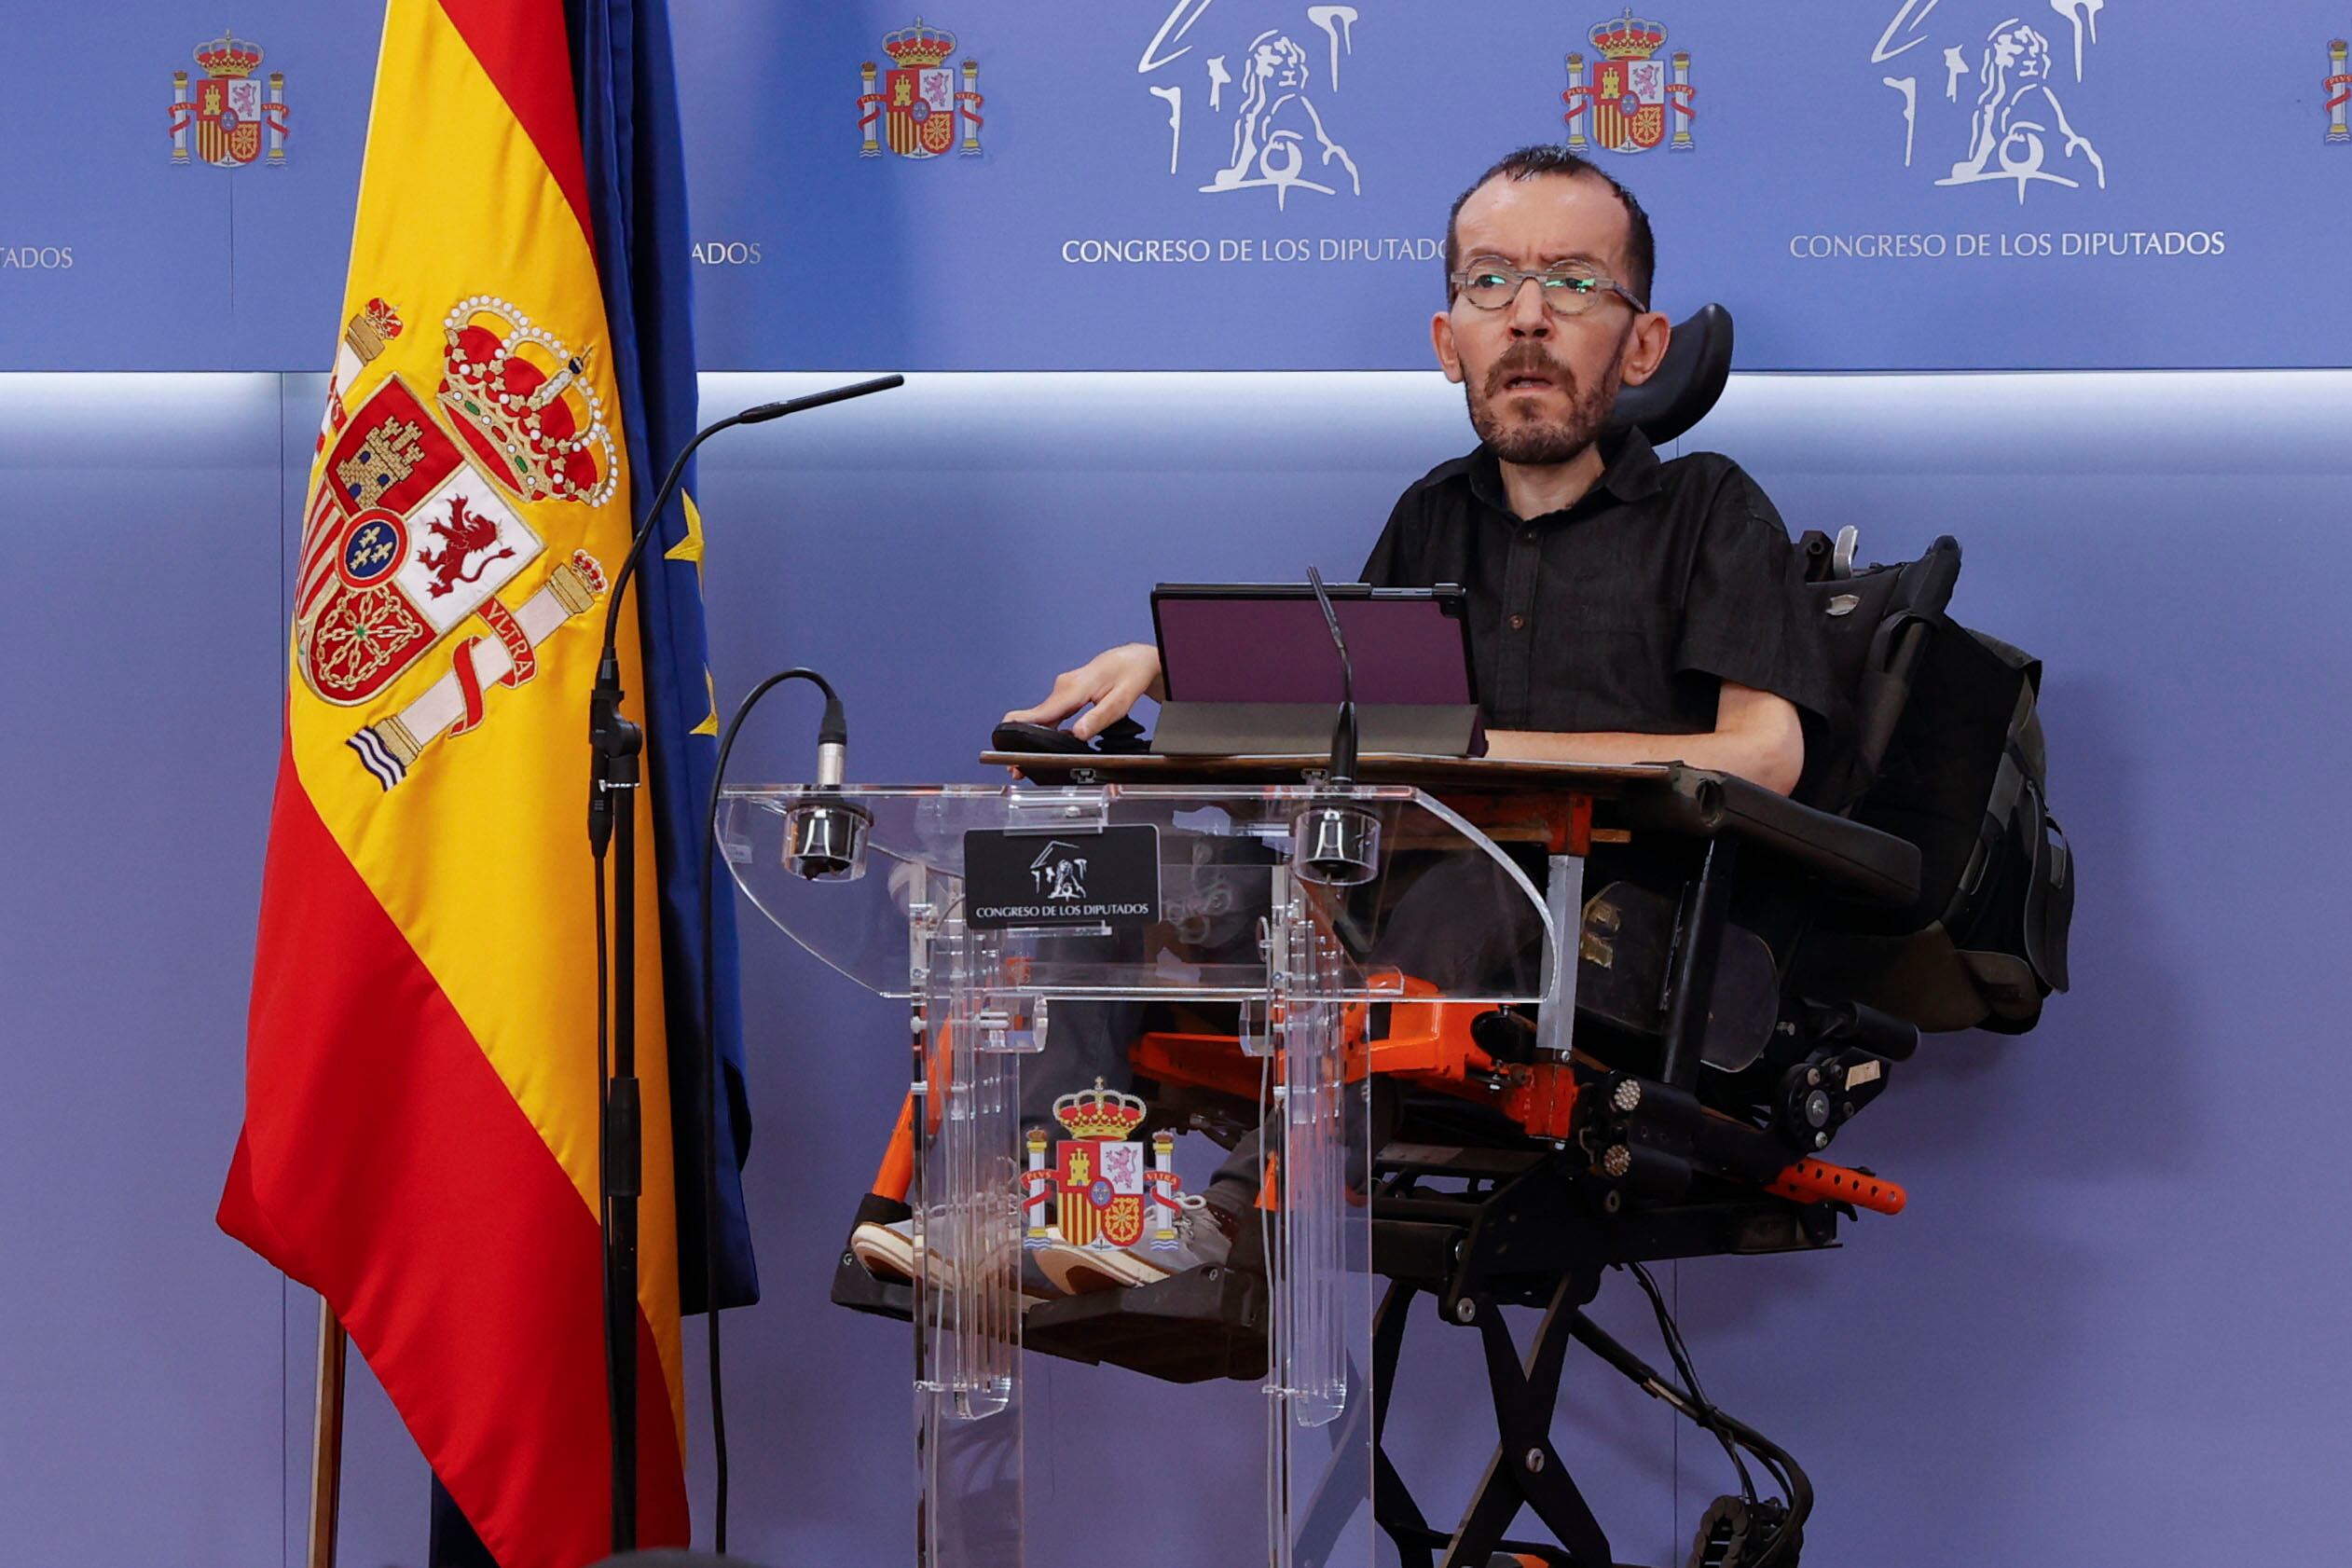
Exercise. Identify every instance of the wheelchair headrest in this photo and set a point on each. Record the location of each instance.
(1688, 382)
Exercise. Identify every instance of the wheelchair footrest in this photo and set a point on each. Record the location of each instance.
(857, 1287)
(1203, 1324)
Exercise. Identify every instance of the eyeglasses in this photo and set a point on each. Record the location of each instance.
(1567, 290)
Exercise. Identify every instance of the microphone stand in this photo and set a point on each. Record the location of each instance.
(1341, 772)
(615, 747)
(1337, 844)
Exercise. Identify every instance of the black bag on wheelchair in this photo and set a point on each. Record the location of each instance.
(1944, 749)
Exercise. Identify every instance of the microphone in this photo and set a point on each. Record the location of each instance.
(767, 411)
(1342, 770)
(610, 736)
(824, 836)
(758, 416)
(1336, 843)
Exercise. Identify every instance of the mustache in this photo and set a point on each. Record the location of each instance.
(1527, 357)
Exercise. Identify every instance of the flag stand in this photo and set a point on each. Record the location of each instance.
(326, 1439)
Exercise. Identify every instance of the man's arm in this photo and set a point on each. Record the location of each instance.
(1756, 736)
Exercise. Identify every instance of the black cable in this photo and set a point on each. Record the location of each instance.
(833, 730)
(1671, 1329)
(1701, 1409)
(1672, 1334)
(1794, 1486)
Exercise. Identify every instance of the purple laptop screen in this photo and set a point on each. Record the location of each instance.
(1264, 647)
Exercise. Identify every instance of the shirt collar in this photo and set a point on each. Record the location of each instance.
(1630, 471)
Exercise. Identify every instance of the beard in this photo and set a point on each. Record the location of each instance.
(1539, 442)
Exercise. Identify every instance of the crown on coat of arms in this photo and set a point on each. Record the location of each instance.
(918, 44)
(1099, 1112)
(522, 399)
(1628, 37)
(374, 327)
(229, 56)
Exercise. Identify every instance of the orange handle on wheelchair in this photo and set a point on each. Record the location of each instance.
(1816, 1181)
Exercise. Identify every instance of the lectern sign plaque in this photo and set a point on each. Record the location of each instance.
(1029, 880)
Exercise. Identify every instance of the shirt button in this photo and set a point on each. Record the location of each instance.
(1519, 623)
(1528, 536)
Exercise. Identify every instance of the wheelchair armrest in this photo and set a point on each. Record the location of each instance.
(1857, 862)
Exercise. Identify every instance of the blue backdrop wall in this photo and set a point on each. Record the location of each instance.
(2106, 1332)
(1261, 184)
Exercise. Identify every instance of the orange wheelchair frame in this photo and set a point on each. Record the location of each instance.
(1429, 1047)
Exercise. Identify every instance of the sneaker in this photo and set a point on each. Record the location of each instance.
(1204, 1236)
(887, 1251)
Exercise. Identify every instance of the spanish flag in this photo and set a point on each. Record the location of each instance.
(419, 1142)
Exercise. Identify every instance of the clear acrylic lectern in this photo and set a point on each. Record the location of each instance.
(1032, 931)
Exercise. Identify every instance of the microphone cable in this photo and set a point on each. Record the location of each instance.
(1693, 1405)
(833, 730)
(1671, 1333)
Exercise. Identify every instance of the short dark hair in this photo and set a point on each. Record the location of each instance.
(1529, 163)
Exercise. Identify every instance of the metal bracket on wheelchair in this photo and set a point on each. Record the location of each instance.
(1821, 1093)
(1564, 897)
(1841, 560)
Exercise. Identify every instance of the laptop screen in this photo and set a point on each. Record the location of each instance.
(1268, 642)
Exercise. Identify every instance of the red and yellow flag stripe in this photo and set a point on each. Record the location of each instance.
(420, 1135)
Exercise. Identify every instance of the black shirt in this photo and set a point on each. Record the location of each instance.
(1624, 611)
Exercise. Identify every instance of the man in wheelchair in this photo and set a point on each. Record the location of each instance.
(1622, 609)
(1732, 945)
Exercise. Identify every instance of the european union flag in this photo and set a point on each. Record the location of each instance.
(637, 190)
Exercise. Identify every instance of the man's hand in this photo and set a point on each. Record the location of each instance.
(1111, 681)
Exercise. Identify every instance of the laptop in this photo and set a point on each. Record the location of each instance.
(1249, 668)
(1267, 642)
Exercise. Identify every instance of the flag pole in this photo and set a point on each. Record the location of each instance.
(326, 1439)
